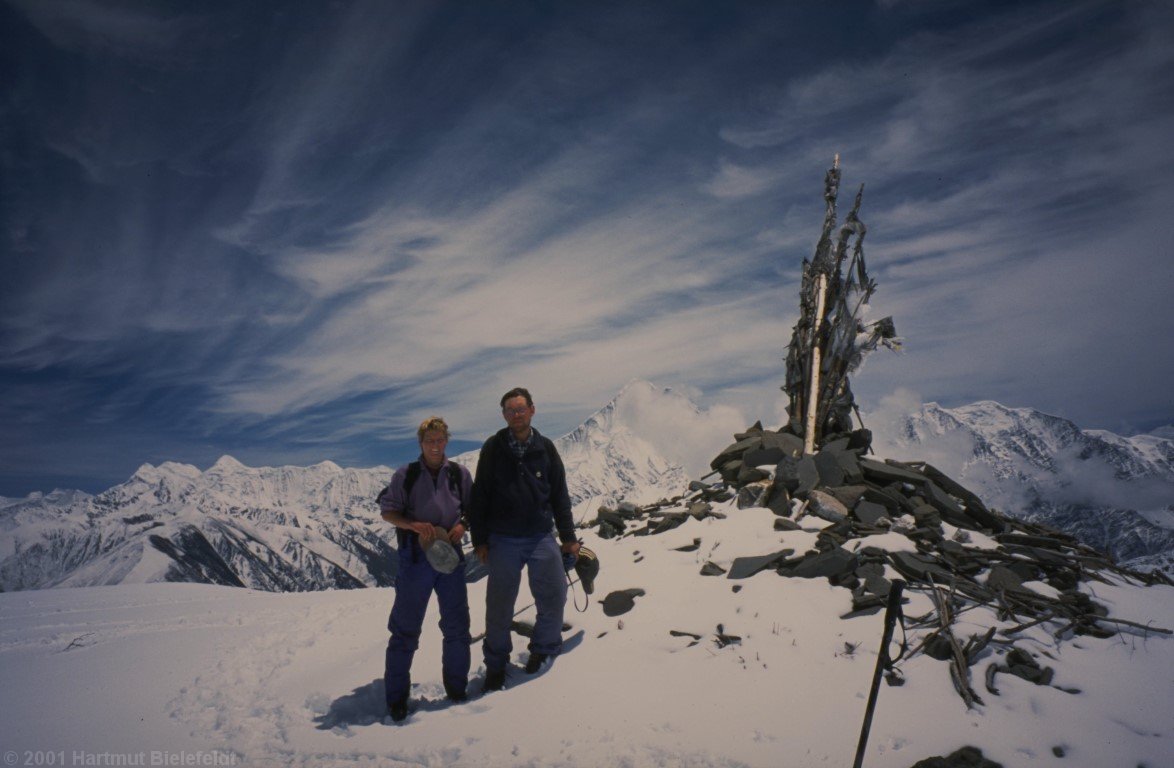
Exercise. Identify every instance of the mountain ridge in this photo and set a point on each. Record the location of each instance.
(1114, 493)
(278, 528)
(304, 528)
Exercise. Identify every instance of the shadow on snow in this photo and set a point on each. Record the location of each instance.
(366, 705)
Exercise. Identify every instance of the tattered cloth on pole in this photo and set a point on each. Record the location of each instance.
(838, 332)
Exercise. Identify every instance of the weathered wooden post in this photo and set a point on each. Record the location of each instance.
(809, 426)
(829, 341)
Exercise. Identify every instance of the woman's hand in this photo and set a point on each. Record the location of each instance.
(426, 531)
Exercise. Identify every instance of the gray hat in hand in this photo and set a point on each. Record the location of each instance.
(441, 555)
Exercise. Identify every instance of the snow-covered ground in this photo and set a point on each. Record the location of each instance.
(219, 675)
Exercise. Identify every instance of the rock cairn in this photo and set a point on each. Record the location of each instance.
(963, 554)
(818, 467)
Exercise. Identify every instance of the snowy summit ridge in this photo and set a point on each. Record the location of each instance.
(701, 669)
(311, 528)
(294, 528)
(1114, 493)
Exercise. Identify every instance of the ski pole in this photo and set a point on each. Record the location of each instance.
(892, 612)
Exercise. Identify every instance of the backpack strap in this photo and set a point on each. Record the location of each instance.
(410, 478)
(458, 487)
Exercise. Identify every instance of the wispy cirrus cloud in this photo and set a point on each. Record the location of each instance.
(311, 233)
(1025, 175)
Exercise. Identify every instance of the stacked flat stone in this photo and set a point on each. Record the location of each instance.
(858, 496)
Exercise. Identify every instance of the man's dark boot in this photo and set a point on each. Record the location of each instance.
(456, 694)
(399, 710)
(535, 662)
(494, 679)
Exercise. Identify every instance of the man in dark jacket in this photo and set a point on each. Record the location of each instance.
(519, 495)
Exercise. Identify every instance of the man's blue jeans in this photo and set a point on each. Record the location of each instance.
(543, 561)
(414, 583)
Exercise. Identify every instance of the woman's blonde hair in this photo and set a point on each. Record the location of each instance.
(431, 424)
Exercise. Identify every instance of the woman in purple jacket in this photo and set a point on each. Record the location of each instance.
(425, 503)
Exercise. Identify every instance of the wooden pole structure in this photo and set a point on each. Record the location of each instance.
(821, 290)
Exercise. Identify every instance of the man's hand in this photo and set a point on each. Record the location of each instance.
(572, 548)
(455, 534)
(482, 551)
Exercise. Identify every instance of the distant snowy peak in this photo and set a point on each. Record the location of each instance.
(271, 528)
(59, 497)
(618, 452)
(1024, 442)
(606, 461)
(647, 443)
(304, 528)
(1114, 493)
(672, 424)
(1165, 433)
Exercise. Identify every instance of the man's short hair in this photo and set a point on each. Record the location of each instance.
(431, 424)
(517, 392)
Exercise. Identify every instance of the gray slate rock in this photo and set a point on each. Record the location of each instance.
(779, 501)
(830, 471)
(877, 585)
(808, 476)
(885, 473)
(750, 474)
(847, 494)
(1003, 578)
(760, 457)
(753, 431)
(914, 566)
(791, 445)
(750, 495)
(966, 757)
(974, 506)
(826, 506)
(850, 466)
(744, 567)
(621, 601)
(949, 509)
(787, 474)
(835, 562)
(735, 451)
(839, 445)
(869, 513)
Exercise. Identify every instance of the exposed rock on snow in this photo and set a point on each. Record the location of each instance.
(1114, 493)
(917, 523)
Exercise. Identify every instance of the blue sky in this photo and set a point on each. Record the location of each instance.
(288, 231)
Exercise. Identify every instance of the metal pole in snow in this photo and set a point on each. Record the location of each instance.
(892, 611)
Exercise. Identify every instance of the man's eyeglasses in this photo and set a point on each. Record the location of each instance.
(515, 411)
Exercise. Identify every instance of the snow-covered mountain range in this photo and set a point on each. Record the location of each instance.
(290, 528)
(311, 528)
(1114, 493)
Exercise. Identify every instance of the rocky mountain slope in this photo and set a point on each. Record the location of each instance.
(310, 528)
(1113, 493)
(282, 528)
